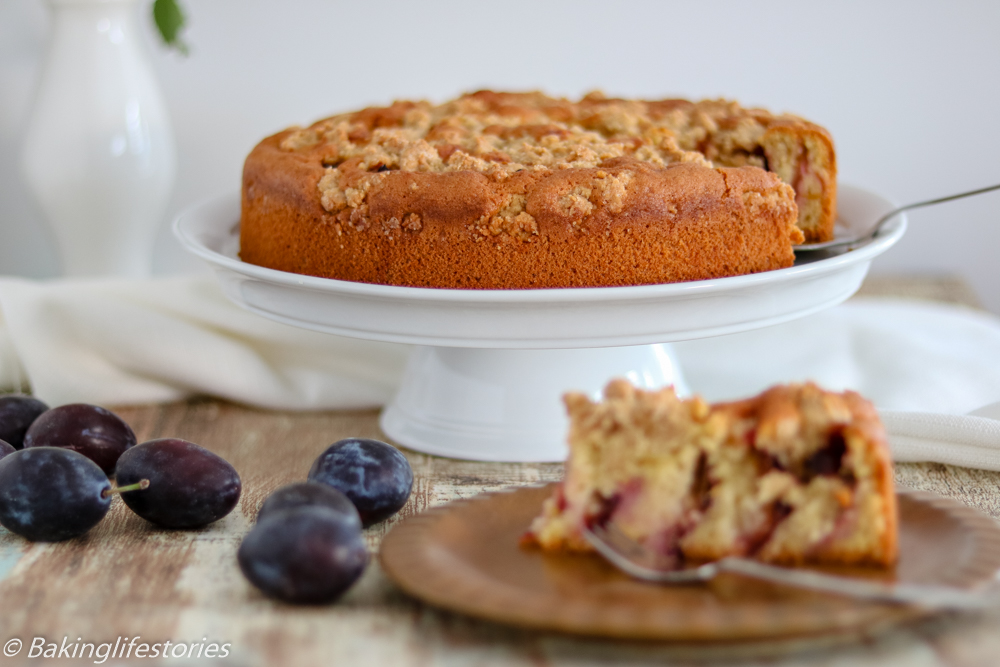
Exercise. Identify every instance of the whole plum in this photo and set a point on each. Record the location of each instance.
(188, 486)
(50, 494)
(374, 475)
(306, 555)
(309, 494)
(91, 430)
(5, 449)
(16, 414)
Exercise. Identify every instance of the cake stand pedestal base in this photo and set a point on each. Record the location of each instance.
(505, 405)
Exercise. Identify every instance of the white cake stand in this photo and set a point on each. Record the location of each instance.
(486, 378)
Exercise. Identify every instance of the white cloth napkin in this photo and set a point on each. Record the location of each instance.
(115, 342)
(972, 440)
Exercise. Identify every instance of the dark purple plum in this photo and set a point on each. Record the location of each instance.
(375, 476)
(91, 430)
(189, 486)
(309, 494)
(306, 555)
(5, 449)
(16, 414)
(49, 494)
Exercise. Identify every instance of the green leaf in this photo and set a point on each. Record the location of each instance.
(170, 21)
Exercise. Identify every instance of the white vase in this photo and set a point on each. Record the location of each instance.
(99, 152)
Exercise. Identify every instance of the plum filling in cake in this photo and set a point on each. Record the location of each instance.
(794, 475)
(668, 541)
(829, 459)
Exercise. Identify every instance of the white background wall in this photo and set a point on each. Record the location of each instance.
(910, 90)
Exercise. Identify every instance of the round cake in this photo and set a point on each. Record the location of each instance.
(521, 190)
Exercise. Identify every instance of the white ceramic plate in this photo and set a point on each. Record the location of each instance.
(544, 318)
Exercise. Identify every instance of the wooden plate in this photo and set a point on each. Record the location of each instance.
(465, 557)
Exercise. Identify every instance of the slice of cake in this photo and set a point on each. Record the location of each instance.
(794, 475)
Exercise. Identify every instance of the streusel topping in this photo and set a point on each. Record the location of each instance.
(497, 135)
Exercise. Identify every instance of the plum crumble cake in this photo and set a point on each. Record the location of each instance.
(521, 190)
(794, 475)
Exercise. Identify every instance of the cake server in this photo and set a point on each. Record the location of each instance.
(641, 563)
(845, 242)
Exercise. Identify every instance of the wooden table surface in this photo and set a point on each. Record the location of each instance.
(126, 578)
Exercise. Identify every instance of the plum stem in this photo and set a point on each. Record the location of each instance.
(138, 486)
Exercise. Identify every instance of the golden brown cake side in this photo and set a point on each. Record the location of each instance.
(794, 475)
(622, 221)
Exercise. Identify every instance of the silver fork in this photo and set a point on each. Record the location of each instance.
(641, 563)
